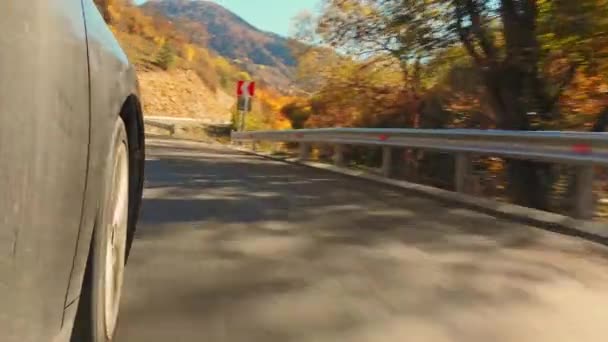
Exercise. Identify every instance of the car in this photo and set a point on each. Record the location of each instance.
(71, 171)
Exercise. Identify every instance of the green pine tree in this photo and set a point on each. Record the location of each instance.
(165, 57)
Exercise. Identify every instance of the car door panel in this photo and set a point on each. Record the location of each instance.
(44, 140)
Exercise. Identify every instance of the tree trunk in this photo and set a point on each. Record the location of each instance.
(601, 124)
(412, 92)
(529, 183)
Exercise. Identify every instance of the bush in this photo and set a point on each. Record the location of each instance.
(296, 113)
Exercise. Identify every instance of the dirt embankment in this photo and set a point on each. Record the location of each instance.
(181, 93)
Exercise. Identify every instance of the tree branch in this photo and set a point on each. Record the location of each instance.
(487, 45)
(549, 107)
(463, 34)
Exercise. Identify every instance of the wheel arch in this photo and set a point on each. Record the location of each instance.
(132, 115)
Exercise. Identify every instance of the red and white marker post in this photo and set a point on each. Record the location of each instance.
(245, 90)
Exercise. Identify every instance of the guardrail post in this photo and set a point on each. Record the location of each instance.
(584, 204)
(387, 161)
(462, 171)
(277, 147)
(304, 151)
(254, 145)
(339, 155)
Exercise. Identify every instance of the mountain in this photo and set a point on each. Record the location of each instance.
(228, 34)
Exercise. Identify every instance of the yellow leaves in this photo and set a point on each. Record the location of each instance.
(243, 75)
(114, 12)
(345, 6)
(160, 41)
(367, 10)
(222, 64)
(495, 165)
(189, 52)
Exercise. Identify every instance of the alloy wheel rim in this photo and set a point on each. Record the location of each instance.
(117, 240)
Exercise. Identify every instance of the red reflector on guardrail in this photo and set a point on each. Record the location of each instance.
(383, 137)
(581, 148)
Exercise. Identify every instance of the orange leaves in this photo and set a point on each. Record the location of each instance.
(586, 95)
(281, 122)
(462, 102)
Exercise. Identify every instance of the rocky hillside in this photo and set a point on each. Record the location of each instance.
(182, 76)
(264, 55)
(181, 93)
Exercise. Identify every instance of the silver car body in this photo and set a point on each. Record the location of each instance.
(64, 81)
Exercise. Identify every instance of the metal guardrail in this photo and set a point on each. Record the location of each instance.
(172, 120)
(175, 125)
(583, 150)
(165, 126)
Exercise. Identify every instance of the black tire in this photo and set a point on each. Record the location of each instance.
(90, 324)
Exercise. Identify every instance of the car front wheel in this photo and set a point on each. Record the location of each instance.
(100, 299)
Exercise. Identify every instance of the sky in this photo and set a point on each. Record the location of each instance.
(268, 15)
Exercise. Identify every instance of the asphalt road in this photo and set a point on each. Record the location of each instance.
(236, 248)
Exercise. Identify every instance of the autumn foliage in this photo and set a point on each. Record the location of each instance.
(153, 41)
(508, 64)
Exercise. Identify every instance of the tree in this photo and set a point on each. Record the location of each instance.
(165, 57)
(601, 124)
(510, 69)
(296, 113)
(399, 31)
(524, 56)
